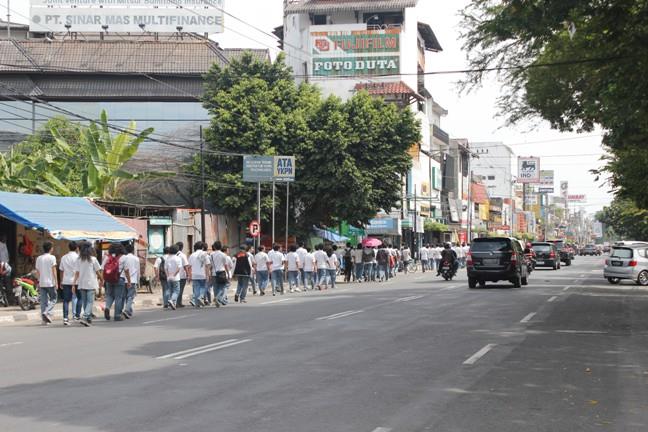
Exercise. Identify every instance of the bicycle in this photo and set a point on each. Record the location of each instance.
(412, 266)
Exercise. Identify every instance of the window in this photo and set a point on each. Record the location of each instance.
(387, 19)
(491, 177)
(319, 20)
(621, 253)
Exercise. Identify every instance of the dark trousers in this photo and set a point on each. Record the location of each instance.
(183, 282)
(67, 298)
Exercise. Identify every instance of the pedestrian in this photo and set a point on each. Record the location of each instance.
(301, 253)
(209, 289)
(161, 276)
(133, 267)
(47, 282)
(4, 251)
(116, 279)
(348, 263)
(333, 265)
(437, 256)
(322, 265)
(466, 250)
(382, 258)
(293, 264)
(406, 256)
(243, 272)
(221, 266)
(87, 278)
(261, 268)
(461, 257)
(68, 270)
(358, 265)
(5, 278)
(184, 272)
(230, 271)
(173, 267)
(424, 255)
(393, 257)
(368, 259)
(339, 253)
(276, 265)
(198, 261)
(310, 267)
(253, 280)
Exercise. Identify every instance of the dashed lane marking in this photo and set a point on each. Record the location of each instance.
(592, 332)
(479, 354)
(180, 355)
(10, 344)
(169, 319)
(408, 299)
(566, 288)
(552, 299)
(528, 318)
(339, 315)
(382, 429)
(278, 301)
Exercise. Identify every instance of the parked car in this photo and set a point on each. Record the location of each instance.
(565, 255)
(627, 262)
(496, 259)
(546, 255)
(590, 250)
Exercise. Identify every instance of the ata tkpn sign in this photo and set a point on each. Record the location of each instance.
(266, 169)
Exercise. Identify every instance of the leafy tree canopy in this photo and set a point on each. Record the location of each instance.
(625, 220)
(349, 155)
(587, 67)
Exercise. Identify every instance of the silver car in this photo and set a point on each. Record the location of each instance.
(627, 262)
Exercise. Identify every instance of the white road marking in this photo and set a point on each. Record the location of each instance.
(528, 318)
(552, 299)
(594, 332)
(278, 301)
(169, 319)
(407, 299)
(449, 288)
(382, 429)
(195, 349)
(566, 288)
(212, 349)
(339, 315)
(479, 354)
(10, 344)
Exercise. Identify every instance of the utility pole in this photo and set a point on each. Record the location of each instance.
(288, 211)
(8, 20)
(470, 205)
(202, 187)
(273, 213)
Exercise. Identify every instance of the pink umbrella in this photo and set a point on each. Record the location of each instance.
(371, 242)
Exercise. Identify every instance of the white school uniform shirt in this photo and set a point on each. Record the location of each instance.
(437, 252)
(198, 263)
(466, 249)
(301, 253)
(220, 262)
(261, 260)
(277, 259)
(88, 274)
(185, 263)
(68, 267)
(309, 262)
(4, 252)
(321, 259)
(425, 254)
(294, 263)
(132, 263)
(459, 251)
(173, 264)
(333, 262)
(44, 265)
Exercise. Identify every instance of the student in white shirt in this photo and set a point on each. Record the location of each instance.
(358, 265)
(132, 264)
(87, 278)
(221, 267)
(160, 275)
(301, 253)
(48, 282)
(115, 290)
(293, 264)
(309, 267)
(424, 255)
(276, 265)
(68, 270)
(461, 257)
(184, 272)
(198, 263)
(322, 265)
(172, 266)
(261, 268)
(333, 266)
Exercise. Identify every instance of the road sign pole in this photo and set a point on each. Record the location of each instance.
(258, 240)
(273, 213)
(287, 210)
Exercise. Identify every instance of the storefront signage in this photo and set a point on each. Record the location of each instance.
(351, 51)
(384, 226)
(260, 169)
(135, 16)
(577, 198)
(528, 170)
(160, 221)
(546, 181)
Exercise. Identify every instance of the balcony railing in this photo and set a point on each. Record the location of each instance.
(440, 134)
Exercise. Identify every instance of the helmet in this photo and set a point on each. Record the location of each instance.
(528, 245)
(447, 245)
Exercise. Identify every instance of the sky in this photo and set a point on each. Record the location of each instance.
(472, 116)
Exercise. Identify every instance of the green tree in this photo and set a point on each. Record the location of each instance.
(576, 64)
(350, 156)
(625, 219)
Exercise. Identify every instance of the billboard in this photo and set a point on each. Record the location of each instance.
(564, 189)
(122, 16)
(259, 169)
(528, 170)
(546, 181)
(577, 198)
(354, 51)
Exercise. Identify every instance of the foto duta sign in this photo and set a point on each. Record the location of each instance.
(353, 50)
(262, 169)
(528, 170)
(121, 16)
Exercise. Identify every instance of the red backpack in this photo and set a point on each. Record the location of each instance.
(111, 269)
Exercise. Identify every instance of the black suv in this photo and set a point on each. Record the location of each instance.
(565, 256)
(546, 255)
(495, 259)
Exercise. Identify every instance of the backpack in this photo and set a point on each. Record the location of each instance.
(162, 270)
(382, 256)
(111, 269)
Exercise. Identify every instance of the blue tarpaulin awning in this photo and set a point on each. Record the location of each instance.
(328, 235)
(64, 218)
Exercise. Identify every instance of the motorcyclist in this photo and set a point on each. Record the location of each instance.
(5, 277)
(450, 256)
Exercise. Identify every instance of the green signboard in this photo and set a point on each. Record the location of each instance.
(383, 65)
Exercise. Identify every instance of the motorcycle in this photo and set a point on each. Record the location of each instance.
(530, 259)
(448, 271)
(26, 291)
(4, 298)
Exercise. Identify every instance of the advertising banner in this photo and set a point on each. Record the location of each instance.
(260, 169)
(577, 198)
(122, 16)
(350, 51)
(564, 189)
(528, 170)
(546, 181)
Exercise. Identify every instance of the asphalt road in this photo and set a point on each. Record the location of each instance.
(566, 353)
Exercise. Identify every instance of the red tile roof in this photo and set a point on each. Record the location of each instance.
(388, 88)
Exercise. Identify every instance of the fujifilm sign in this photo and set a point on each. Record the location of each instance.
(126, 16)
